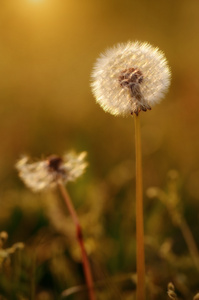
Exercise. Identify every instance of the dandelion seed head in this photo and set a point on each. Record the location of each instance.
(130, 78)
(45, 174)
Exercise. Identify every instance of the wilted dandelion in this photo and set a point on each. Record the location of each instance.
(130, 78)
(126, 80)
(45, 174)
(56, 171)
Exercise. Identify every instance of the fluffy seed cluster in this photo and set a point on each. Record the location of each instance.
(45, 174)
(130, 78)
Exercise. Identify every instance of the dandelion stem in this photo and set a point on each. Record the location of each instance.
(85, 262)
(140, 260)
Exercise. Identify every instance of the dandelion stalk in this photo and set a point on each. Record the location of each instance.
(127, 79)
(86, 265)
(140, 260)
(57, 171)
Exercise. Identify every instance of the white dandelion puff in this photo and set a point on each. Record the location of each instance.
(45, 174)
(130, 78)
(55, 171)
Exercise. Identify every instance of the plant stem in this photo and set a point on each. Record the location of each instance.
(33, 277)
(86, 265)
(190, 241)
(140, 260)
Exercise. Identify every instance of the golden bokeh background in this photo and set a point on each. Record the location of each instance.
(47, 51)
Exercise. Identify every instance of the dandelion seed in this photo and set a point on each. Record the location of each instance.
(45, 174)
(130, 78)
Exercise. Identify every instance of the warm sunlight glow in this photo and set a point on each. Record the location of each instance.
(36, 1)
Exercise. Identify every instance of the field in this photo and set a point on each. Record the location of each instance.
(47, 52)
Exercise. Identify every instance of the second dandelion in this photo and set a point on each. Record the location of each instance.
(55, 171)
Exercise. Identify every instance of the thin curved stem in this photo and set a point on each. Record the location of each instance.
(140, 257)
(85, 262)
(190, 241)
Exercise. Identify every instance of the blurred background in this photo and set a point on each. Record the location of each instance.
(47, 51)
